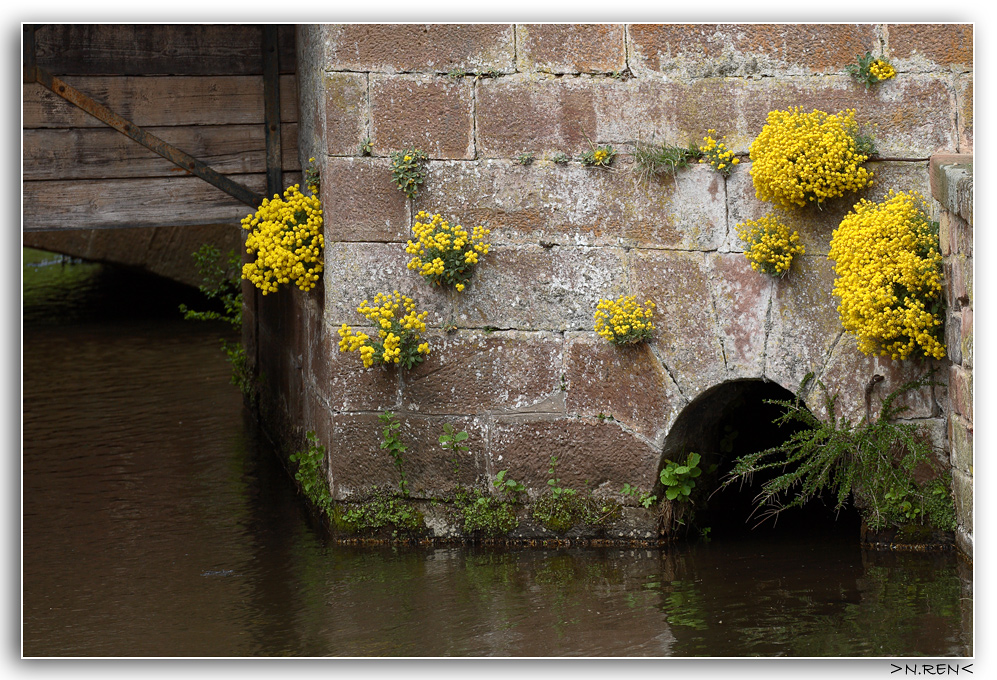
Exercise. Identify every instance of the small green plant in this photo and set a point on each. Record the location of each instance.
(313, 177)
(869, 70)
(366, 147)
(555, 482)
(872, 462)
(392, 443)
(525, 158)
(623, 75)
(408, 170)
(679, 478)
(643, 498)
(311, 474)
(220, 282)
(561, 158)
(600, 157)
(508, 486)
(652, 159)
(452, 442)
(456, 73)
(378, 509)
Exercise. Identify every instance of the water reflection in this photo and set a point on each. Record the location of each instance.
(158, 523)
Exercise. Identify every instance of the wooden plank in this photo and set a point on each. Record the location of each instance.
(157, 49)
(110, 204)
(104, 153)
(161, 101)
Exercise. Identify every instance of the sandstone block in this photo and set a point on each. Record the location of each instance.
(962, 490)
(964, 97)
(361, 203)
(346, 112)
(931, 47)
(573, 205)
(428, 48)
(428, 112)
(804, 322)
(957, 274)
(475, 372)
(591, 454)
(532, 288)
(961, 443)
(849, 373)
(356, 460)
(966, 327)
(343, 382)
(710, 50)
(953, 337)
(355, 272)
(627, 383)
(571, 48)
(685, 319)
(961, 391)
(742, 297)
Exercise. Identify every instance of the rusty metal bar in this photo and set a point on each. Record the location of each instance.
(151, 142)
(271, 106)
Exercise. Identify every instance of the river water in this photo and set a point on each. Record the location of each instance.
(157, 522)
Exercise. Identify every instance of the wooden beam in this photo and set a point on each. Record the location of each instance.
(147, 140)
(271, 105)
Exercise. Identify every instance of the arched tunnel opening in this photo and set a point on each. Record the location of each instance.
(726, 422)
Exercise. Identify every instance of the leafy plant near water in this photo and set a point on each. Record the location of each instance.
(311, 474)
(643, 498)
(562, 508)
(220, 281)
(408, 170)
(679, 478)
(477, 511)
(872, 462)
(392, 443)
(378, 509)
(652, 159)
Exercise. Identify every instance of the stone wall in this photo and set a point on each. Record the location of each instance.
(524, 373)
(952, 188)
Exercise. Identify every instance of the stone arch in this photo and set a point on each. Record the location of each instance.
(728, 420)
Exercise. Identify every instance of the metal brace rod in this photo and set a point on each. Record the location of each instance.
(150, 141)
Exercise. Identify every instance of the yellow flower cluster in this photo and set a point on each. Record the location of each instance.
(771, 245)
(717, 154)
(888, 270)
(883, 70)
(445, 255)
(623, 321)
(599, 156)
(399, 340)
(807, 157)
(286, 236)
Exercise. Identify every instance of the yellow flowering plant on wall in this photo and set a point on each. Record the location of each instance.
(870, 71)
(716, 153)
(445, 255)
(399, 335)
(286, 236)
(800, 158)
(771, 244)
(623, 321)
(888, 269)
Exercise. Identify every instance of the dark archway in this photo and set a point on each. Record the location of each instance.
(730, 420)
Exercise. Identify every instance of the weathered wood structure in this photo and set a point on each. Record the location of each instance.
(221, 99)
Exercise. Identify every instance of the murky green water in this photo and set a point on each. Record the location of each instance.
(156, 522)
